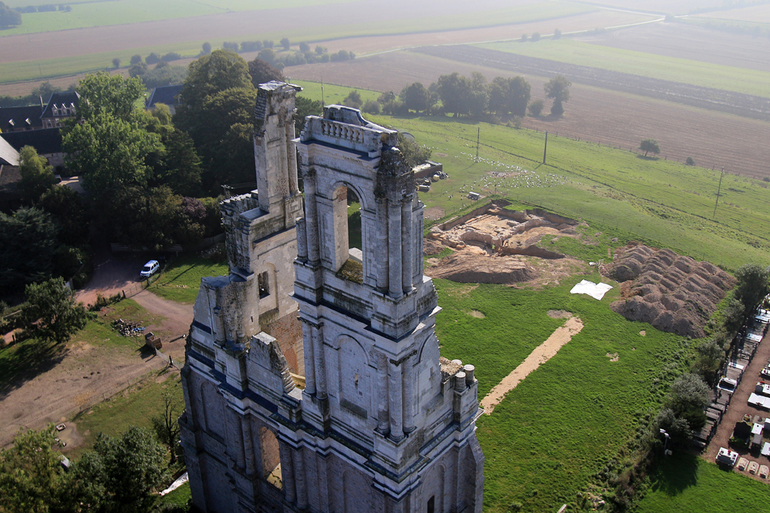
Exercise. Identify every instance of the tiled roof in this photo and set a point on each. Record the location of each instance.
(59, 100)
(164, 94)
(45, 141)
(18, 118)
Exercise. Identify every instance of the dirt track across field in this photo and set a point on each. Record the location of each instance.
(536, 358)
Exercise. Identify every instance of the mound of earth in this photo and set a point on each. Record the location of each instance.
(674, 293)
(470, 267)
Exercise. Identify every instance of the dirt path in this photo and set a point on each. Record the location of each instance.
(739, 406)
(85, 376)
(539, 356)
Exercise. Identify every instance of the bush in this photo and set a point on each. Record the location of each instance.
(251, 46)
(153, 58)
(171, 56)
(536, 108)
(690, 161)
(230, 45)
(535, 37)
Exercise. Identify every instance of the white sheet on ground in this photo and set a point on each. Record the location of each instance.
(595, 290)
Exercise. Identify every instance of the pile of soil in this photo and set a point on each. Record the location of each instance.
(674, 293)
(469, 267)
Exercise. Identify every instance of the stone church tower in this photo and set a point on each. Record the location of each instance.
(383, 423)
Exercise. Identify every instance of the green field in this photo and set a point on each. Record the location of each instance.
(687, 484)
(122, 12)
(686, 71)
(90, 14)
(569, 417)
(134, 406)
(181, 280)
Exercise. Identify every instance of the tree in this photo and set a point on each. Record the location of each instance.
(137, 70)
(286, 43)
(267, 55)
(251, 46)
(109, 153)
(230, 45)
(523, 38)
(305, 107)
(66, 209)
(688, 398)
(557, 89)
(9, 17)
(109, 94)
(455, 93)
(268, 43)
(51, 312)
(304, 47)
(752, 286)
(557, 34)
(206, 48)
(211, 74)
(153, 58)
(120, 474)
(36, 175)
(535, 37)
(28, 242)
(353, 99)
(708, 363)
(116, 63)
(509, 96)
(690, 161)
(166, 425)
(649, 145)
(31, 477)
(136, 59)
(415, 97)
(262, 72)
(536, 107)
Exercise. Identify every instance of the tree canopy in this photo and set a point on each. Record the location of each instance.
(209, 75)
(108, 94)
(28, 239)
(36, 175)
(649, 145)
(558, 90)
(415, 97)
(753, 285)
(262, 72)
(9, 17)
(51, 311)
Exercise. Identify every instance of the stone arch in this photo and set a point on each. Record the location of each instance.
(270, 450)
(353, 373)
(346, 231)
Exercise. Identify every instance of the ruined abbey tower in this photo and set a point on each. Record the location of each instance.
(355, 412)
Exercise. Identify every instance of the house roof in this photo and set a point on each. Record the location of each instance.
(164, 94)
(18, 118)
(8, 154)
(67, 99)
(46, 141)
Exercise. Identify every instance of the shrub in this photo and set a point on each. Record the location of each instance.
(536, 108)
(371, 107)
(690, 161)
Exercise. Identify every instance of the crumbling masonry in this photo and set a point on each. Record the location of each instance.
(383, 423)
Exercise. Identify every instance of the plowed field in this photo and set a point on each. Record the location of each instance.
(713, 139)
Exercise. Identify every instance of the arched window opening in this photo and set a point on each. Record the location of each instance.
(271, 457)
(348, 238)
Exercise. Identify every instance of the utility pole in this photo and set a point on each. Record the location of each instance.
(545, 148)
(478, 137)
(719, 190)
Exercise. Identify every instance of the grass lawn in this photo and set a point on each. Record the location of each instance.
(675, 69)
(687, 484)
(181, 280)
(568, 418)
(133, 407)
(180, 496)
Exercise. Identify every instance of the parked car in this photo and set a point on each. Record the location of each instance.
(149, 269)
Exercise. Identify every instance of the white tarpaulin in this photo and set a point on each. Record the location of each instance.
(595, 290)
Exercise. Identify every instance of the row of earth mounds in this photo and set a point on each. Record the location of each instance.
(674, 293)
